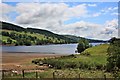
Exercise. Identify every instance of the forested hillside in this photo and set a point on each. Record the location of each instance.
(77, 38)
(17, 35)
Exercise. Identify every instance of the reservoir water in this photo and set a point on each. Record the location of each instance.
(53, 49)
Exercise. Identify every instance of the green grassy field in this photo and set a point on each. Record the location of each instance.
(97, 54)
(92, 58)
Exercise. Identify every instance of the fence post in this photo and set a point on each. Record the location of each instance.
(104, 77)
(3, 75)
(36, 74)
(10, 72)
(53, 75)
(79, 76)
(23, 73)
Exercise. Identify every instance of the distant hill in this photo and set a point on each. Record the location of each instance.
(17, 35)
(9, 26)
(77, 38)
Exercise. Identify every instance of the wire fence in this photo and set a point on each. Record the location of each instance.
(35, 74)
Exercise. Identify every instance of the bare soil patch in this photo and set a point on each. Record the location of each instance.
(20, 61)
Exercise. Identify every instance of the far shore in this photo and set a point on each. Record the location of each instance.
(36, 45)
(12, 60)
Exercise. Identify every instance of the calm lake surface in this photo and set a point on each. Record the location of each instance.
(57, 49)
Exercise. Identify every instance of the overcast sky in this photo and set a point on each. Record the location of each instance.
(91, 20)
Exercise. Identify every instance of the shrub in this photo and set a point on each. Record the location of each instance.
(82, 45)
(72, 65)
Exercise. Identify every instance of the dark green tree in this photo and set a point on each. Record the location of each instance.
(5, 33)
(113, 64)
(9, 41)
(27, 42)
(82, 45)
(4, 42)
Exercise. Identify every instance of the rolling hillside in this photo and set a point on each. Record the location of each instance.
(17, 35)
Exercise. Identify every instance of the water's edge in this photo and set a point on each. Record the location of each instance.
(52, 49)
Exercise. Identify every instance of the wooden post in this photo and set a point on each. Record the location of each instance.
(104, 77)
(40, 77)
(79, 76)
(23, 73)
(3, 75)
(53, 75)
(10, 73)
(36, 74)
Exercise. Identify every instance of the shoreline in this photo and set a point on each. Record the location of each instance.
(12, 60)
(48, 44)
(37, 45)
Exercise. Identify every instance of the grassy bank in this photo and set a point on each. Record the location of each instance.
(92, 58)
